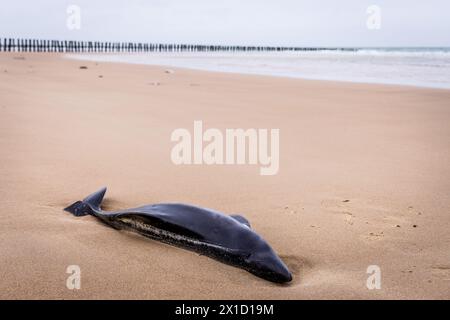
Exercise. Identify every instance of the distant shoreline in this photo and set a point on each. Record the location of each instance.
(422, 68)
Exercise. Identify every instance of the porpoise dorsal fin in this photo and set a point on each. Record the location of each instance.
(241, 219)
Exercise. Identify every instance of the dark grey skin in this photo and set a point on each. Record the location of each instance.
(228, 239)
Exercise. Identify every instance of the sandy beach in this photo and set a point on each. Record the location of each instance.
(364, 179)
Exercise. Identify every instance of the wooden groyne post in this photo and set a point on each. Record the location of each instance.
(42, 45)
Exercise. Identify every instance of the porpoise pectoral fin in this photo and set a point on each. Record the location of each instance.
(241, 219)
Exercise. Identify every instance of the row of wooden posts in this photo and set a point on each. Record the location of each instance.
(35, 45)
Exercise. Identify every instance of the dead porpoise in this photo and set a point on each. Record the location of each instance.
(228, 239)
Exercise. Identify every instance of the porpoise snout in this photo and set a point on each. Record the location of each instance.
(269, 266)
(280, 271)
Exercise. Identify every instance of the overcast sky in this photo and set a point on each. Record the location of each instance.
(246, 22)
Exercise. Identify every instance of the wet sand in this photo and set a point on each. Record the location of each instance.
(364, 180)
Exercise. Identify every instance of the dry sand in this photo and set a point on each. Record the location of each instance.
(65, 132)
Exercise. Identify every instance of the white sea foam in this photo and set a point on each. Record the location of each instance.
(413, 66)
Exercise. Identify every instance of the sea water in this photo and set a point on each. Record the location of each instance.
(423, 67)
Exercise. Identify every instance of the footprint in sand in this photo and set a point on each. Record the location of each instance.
(341, 207)
(441, 271)
(374, 214)
(293, 208)
(348, 216)
(374, 236)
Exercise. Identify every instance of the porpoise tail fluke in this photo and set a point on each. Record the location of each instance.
(90, 203)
